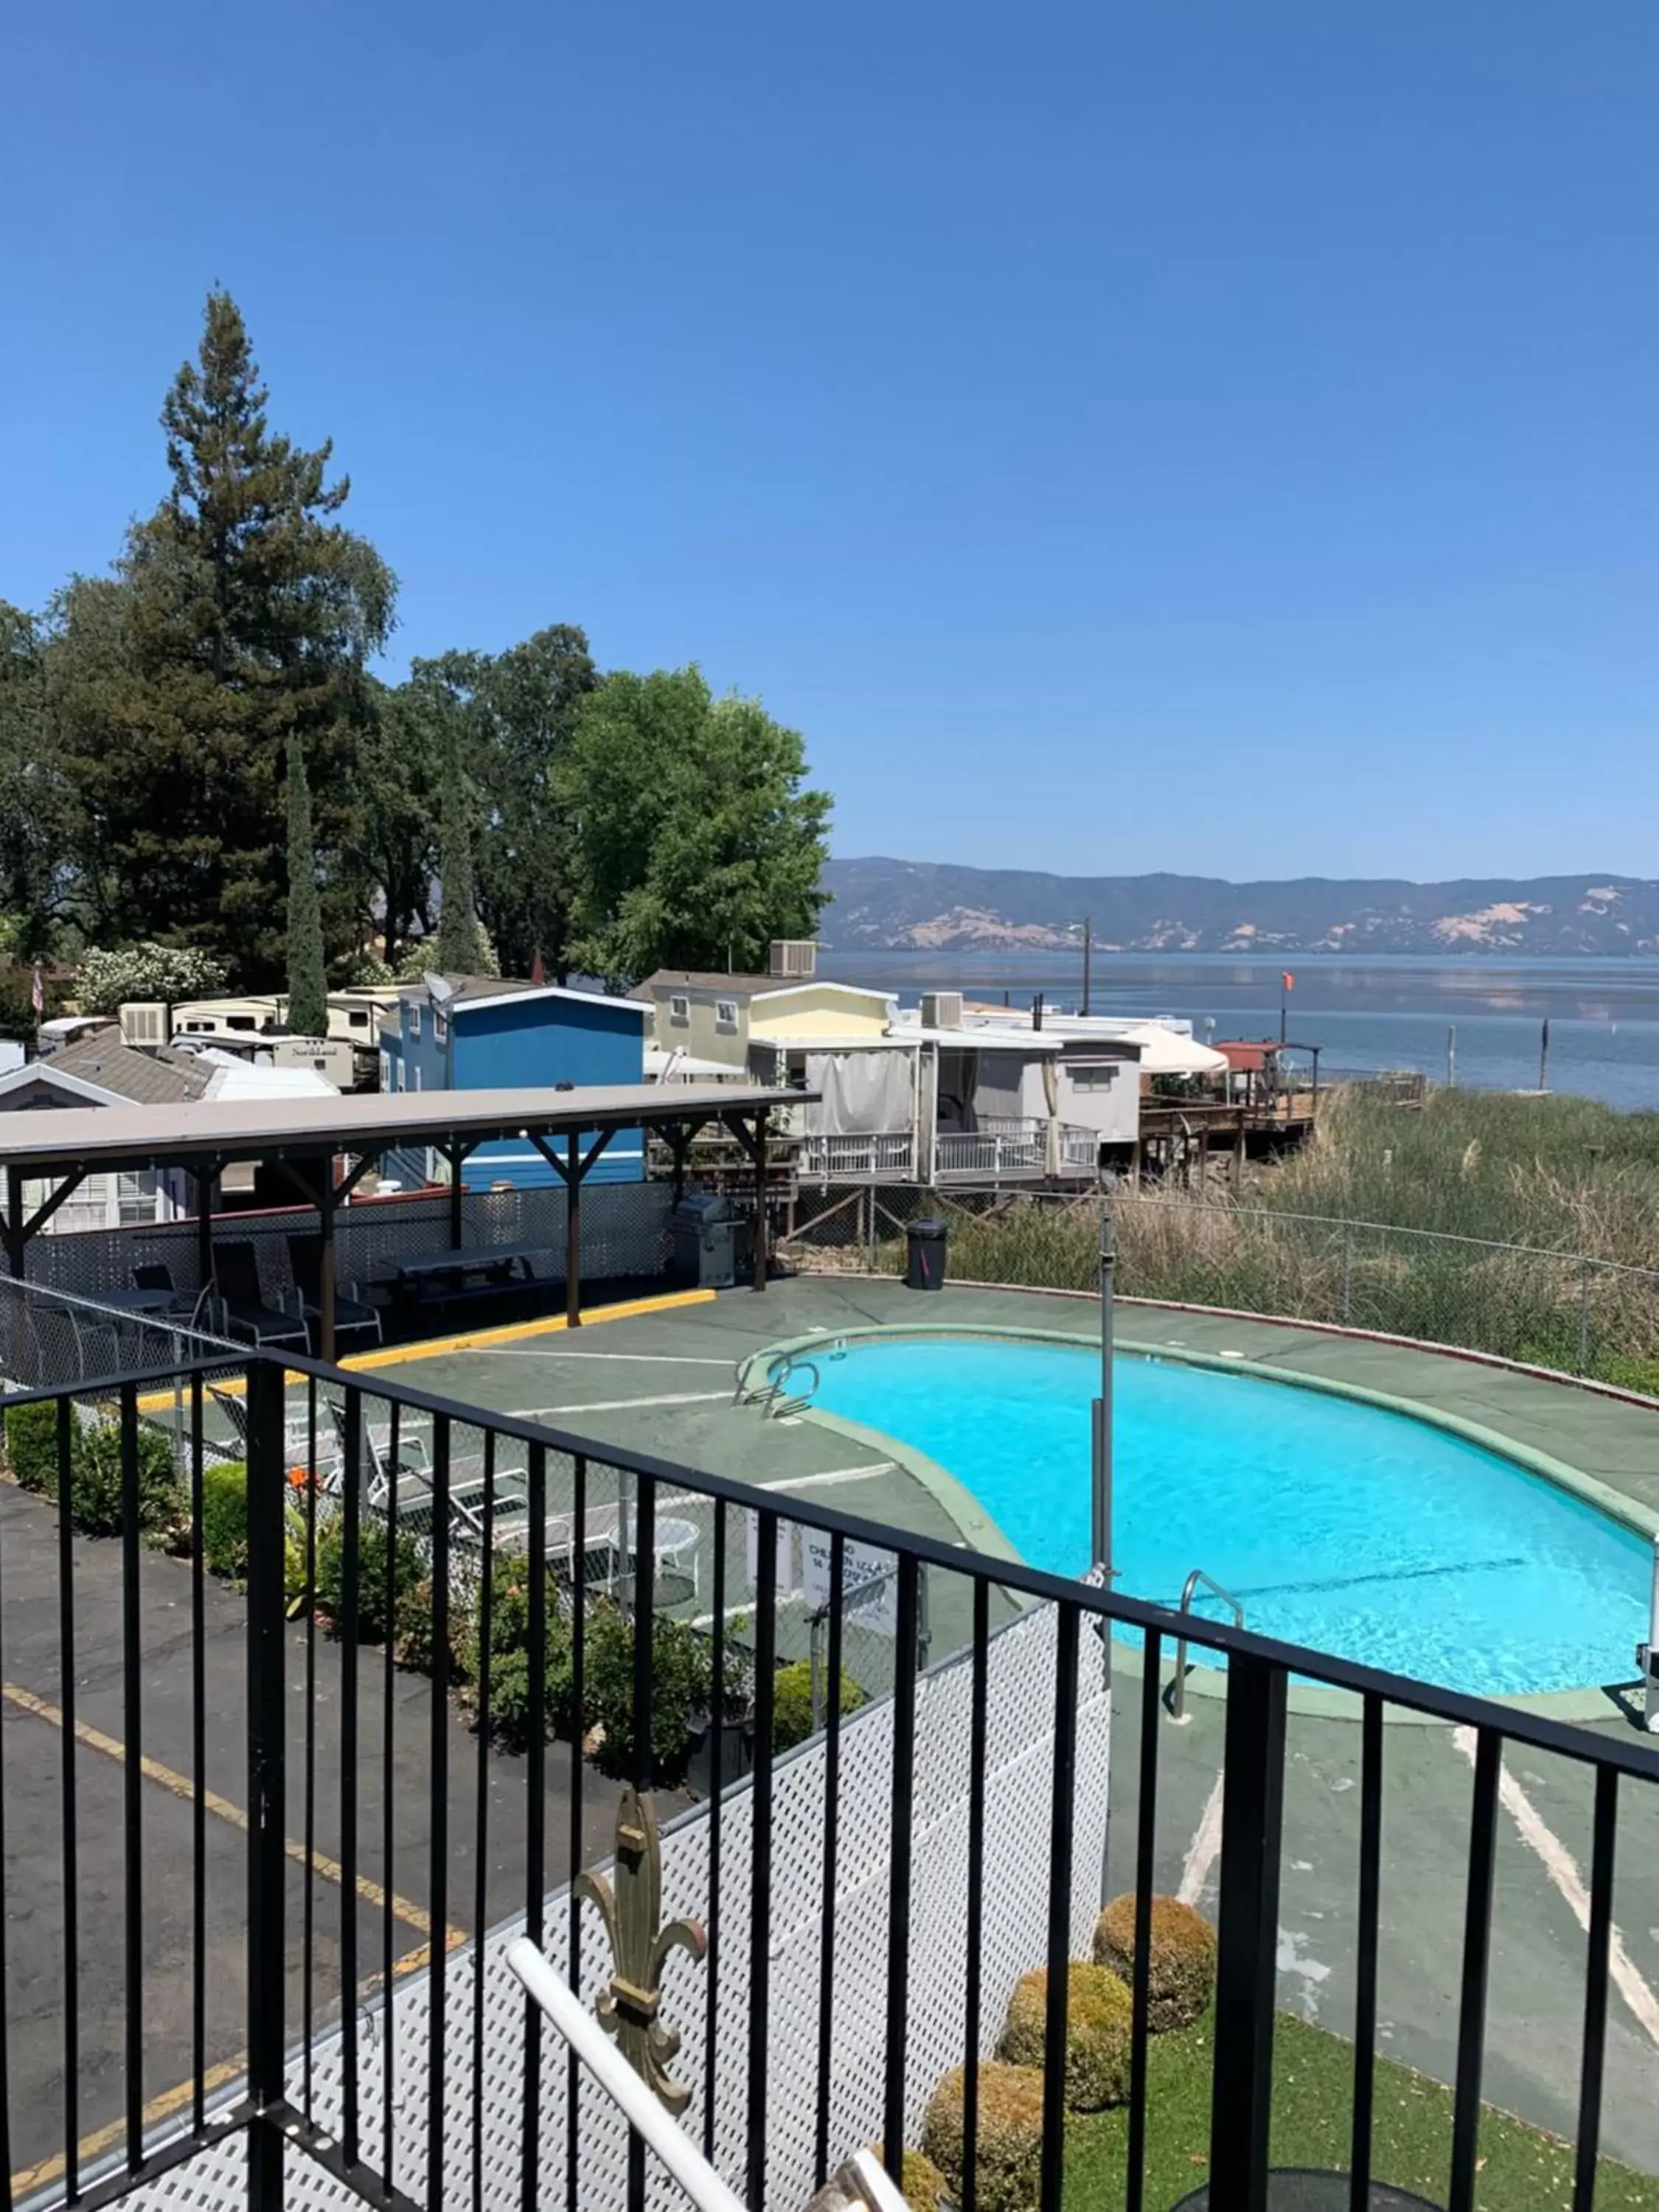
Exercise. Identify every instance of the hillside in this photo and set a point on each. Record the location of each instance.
(934, 906)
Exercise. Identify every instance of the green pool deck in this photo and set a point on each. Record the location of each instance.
(662, 1382)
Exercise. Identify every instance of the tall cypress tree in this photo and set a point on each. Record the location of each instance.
(463, 948)
(307, 983)
(249, 614)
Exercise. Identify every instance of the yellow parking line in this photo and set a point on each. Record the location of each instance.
(183, 2092)
(401, 1355)
(181, 1786)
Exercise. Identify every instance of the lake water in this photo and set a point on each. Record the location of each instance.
(1363, 1013)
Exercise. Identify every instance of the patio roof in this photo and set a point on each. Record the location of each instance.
(89, 1139)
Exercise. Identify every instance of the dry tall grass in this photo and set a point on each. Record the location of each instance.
(1509, 1225)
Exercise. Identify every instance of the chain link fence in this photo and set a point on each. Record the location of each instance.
(626, 1234)
(1566, 1310)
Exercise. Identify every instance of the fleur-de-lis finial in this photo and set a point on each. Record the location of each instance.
(628, 2006)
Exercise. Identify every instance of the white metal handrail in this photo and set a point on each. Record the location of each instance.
(874, 1152)
(685, 2163)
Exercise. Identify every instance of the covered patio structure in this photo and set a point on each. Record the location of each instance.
(324, 1147)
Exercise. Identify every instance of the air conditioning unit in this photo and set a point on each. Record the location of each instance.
(143, 1022)
(796, 957)
(941, 1010)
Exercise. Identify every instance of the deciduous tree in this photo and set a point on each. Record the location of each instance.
(695, 841)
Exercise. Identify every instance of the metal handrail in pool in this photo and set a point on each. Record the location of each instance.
(1178, 1688)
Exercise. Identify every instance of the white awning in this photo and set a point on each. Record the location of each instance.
(1164, 1053)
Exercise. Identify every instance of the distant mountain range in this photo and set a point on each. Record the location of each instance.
(922, 906)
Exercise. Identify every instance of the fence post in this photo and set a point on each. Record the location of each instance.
(1246, 1965)
(267, 1864)
(1348, 1272)
(815, 1660)
(1583, 1317)
(870, 1224)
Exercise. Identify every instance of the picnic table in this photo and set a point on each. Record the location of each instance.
(490, 1263)
(470, 1275)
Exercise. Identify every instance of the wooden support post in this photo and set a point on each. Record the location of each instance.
(761, 1252)
(16, 1264)
(456, 1155)
(325, 1286)
(207, 1186)
(1238, 1155)
(572, 1218)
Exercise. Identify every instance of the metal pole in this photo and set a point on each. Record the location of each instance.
(1649, 1685)
(1088, 954)
(1101, 1545)
(815, 1652)
(266, 1782)
(1543, 1055)
(1584, 1317)
(1451, 1057)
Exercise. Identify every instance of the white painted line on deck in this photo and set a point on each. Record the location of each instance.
(1205, 1848)
(622, 1405)
(1564, 1871)
(833, 1474)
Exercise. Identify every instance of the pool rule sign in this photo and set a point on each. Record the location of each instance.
(869, 1581)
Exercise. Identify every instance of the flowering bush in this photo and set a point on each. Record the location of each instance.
(106, 981)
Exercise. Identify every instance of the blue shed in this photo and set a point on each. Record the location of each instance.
(479, 1033)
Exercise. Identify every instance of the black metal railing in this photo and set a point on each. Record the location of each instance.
(313, 1763)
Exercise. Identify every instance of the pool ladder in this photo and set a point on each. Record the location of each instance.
(774, 1395)
(1178, 1688)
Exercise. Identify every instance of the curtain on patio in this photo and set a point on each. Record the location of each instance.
(865, 1093)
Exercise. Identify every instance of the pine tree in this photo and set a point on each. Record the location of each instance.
(248, 614)
(307, 983)
(463, 948)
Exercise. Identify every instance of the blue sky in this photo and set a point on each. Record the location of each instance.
(1135, 435)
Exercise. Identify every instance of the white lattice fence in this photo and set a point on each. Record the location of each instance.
(1017, 1811)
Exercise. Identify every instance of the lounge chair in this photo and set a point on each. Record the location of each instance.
(239, 1302)
(353, 1315)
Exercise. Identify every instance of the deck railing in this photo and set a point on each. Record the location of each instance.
(261, 1907)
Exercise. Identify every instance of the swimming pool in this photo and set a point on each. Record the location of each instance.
(1337, 1524)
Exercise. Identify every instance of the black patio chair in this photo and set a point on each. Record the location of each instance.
(239, 1304)
(353, 1315)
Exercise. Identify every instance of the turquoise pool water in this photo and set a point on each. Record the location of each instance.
(1338, 1525)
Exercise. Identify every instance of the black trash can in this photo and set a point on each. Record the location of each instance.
(924, 1267)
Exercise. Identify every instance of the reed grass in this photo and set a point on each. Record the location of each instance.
(1528, 1227)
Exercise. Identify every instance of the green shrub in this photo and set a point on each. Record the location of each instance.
(923, 2186)
(1008, 2150)
(32, 1446)
(792, 1703)
(1184, 1950)
(511, 1719)
(224, 1519)
(95, 1482)
(407, 1569)
(1097, 2024)
(681, 1680)
(94, 1470)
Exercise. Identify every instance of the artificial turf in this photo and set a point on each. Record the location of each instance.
(1522, 2169)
